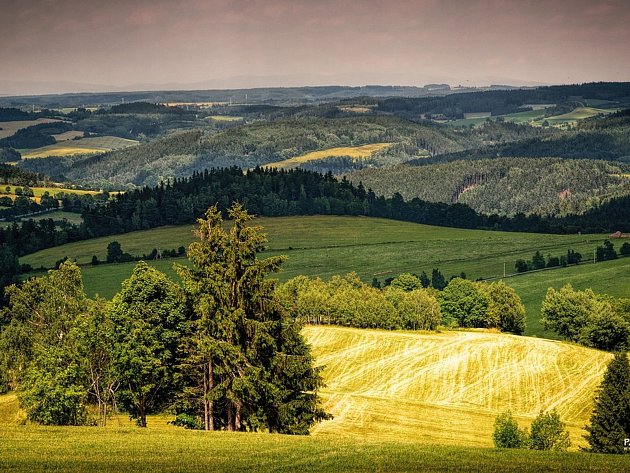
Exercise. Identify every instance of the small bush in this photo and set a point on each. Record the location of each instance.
(187, 421)
(507, 434)
(548, 433)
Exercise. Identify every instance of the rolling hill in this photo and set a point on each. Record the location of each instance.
(504, 186)
(401, 401)
(447, 388)
(374, 248)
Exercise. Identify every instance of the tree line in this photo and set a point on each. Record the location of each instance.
(404, 304)
(271, 192)
(219, 350)
(593, 320)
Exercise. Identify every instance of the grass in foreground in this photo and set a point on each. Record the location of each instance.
(402, 402)
(89, 449)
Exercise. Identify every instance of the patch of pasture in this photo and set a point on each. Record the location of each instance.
(92, 145)
(11, 128)
(354, 152)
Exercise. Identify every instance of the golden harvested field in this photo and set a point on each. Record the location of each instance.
(355, 152)
(447, 388)
(579, 113)
(10, 128)
(224, 118)
(356, 108)
(94, 145)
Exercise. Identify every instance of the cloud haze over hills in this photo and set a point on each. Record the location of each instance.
(51, 46)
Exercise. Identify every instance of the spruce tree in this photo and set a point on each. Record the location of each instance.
(610, 421)
(248, 366)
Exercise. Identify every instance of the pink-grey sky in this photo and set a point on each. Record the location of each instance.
(55, 45)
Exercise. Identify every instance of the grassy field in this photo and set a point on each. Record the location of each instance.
(355, 152)
(94, 145)
(10, 128)
(328, 245)
(607, 277)
(579, 113)
(86, 449)
(56, 215)
(39, 191)
(529, 116)
(325, 246)
(536, 117)
(224, 118)
(420, 402)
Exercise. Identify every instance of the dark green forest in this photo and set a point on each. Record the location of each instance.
(504, 186)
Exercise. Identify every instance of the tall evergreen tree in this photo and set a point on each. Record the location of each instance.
(249, 366)
(610, 421)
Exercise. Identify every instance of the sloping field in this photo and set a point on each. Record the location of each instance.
(327, 245)
(402, 402)
(10, 128)
(93, 145)
(579, 113)
(447, 388)
(355, 152)
(39, 191)
(606, 277)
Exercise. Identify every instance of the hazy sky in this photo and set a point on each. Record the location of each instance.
(236, 43)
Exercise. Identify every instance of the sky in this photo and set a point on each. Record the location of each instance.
(80, 45)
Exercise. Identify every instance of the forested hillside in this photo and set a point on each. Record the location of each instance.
(504, 186)
(264, 142)
(605, 138)
(500, 102)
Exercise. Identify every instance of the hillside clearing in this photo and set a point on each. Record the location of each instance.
(93, 145)
(39, 191)
(354, 152)
(10, 128)
(447, 388)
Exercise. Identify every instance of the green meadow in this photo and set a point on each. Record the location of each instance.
(85, 449)
(374, 248)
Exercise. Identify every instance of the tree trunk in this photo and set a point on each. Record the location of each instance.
(105, 414)
(143, 413)
(237, 417)
(230, 417)
(208, 403)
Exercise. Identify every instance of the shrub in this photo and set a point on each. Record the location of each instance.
(506, 432)
(548, 433)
